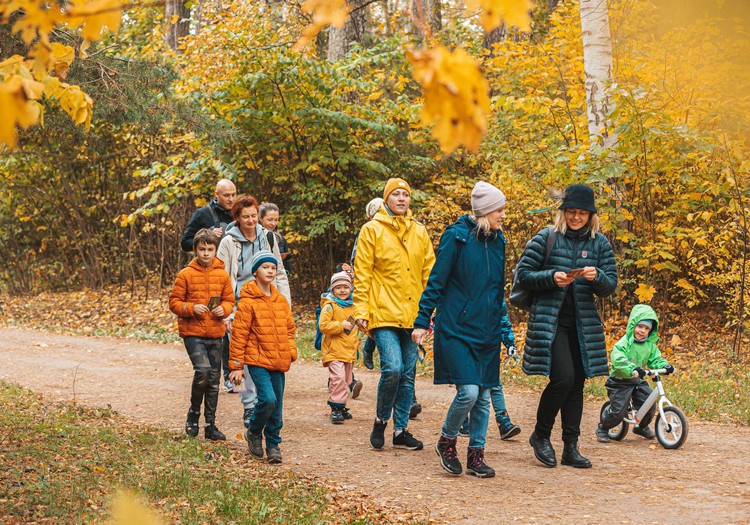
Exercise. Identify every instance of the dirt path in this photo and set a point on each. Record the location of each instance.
(633, 481)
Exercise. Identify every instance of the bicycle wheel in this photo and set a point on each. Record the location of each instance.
(672, 430)
(618, 432)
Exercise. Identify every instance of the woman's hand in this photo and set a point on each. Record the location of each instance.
(418, 335)
(236, 376)
(590, 272)
(562, 280)
(362, 324)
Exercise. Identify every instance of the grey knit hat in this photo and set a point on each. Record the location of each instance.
(485, 198)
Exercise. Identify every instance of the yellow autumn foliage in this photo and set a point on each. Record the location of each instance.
(512, 13)
(324, 13)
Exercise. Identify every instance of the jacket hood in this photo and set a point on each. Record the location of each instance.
(251, 290)
(465, 224)
(233, 229)
(639, 313)
(395, 222)
(216, 264)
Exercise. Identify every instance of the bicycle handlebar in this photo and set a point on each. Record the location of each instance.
(658, 371)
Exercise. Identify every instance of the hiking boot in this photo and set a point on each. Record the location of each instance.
(191, 425)
(506, 428)
(415, 410)
(273, 455)
(644, 432)
(347, 414)
(543, 450)
(337, 415)
(463, 431)
(255, 444)
(246, 415)
(355, 387)
(213, 433)
(367, 356)
(602, 434)
(377, 436)
(229, 387)
(406, 440)
(572, 457)
(446, 449)
(475, 464)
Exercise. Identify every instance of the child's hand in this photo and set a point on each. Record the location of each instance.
(218, 312)
(418, 335)
(236, 376)
(669, 369)
(348, 326)
(200, 309)
(562, 280)
(590, 273)
(639, 373)
(228, 325)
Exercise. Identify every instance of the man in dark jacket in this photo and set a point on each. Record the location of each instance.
(215, 215)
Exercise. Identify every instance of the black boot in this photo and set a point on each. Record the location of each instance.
(475, 464)
(572, 457)
(543, 450)
(191, 424)
(213, 433)
(337, 415)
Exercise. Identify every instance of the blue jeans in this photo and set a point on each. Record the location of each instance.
(398, 359)
(267, 416)
(498, 401)
(474, 400)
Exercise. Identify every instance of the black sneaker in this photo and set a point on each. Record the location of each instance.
(644, 432)
(377, 436)
(602, 435)
(347, 414)
(355, 387)
(337, 415)
(475, 464)
(415, 410)
(191, 425)
(246, 417)
(463, 431)
(273, 455)
(255, 444)
(446, 449)
(406, 440)
(506, 428)
(213, 433)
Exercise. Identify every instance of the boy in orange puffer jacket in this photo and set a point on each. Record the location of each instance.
(340, 342)
(263, 339)
(201, 298)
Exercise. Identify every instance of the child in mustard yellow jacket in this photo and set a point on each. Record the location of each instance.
(340, 343)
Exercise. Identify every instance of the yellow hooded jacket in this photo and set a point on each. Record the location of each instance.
(393, 263)
(337, 345)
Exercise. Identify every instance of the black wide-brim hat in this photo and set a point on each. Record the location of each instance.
(580, 197)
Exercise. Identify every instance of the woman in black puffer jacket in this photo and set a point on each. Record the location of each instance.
(565, 337)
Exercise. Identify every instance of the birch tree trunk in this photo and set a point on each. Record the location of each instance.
(340, 40)
(597, 66)
(181, 27)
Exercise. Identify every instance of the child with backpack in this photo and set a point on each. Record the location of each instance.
(628, 357)
(263, 344)
(340, 342)
(201, 298)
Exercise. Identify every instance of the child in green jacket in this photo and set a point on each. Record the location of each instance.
(629, 355)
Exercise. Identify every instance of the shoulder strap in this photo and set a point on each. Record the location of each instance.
(551, 236)
(270, 240)
(215, 215)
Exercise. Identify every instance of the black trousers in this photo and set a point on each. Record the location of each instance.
(620, 391)
(205, 354)
(564, 392)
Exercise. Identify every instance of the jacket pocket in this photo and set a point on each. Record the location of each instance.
(464, 313)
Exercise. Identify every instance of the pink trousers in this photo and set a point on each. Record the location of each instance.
(339, 376)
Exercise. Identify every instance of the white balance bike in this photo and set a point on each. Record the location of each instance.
(671, 425)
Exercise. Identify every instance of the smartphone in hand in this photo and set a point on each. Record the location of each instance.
(574, 274)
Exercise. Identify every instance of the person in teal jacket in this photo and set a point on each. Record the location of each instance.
(465, 290)
(637, 349)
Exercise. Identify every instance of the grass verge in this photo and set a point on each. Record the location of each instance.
(63, 464)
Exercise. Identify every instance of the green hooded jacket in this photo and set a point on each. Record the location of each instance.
(628, 354)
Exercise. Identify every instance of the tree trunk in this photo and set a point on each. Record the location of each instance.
(181, 26)
(436, 15)
(340, 39)
(597, 66)
(495, 36)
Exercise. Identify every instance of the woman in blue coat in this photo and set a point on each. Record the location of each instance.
(565, 336)
(465, 290)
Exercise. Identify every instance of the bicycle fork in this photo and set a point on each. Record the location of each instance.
(657, 392)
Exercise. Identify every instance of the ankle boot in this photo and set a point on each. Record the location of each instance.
(543, 450)
(213, 433)
(572, 457)
(475, 464)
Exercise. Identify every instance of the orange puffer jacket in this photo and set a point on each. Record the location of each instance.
(196, 284)
(263, 330)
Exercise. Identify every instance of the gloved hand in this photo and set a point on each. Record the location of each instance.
(512, 351)
(669, 369)
(639, 372)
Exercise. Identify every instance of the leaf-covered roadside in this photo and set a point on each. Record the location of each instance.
(63, 464)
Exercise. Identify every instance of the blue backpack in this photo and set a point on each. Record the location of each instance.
(318, 343)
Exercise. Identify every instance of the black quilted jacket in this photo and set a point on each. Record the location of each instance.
(575, 249)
